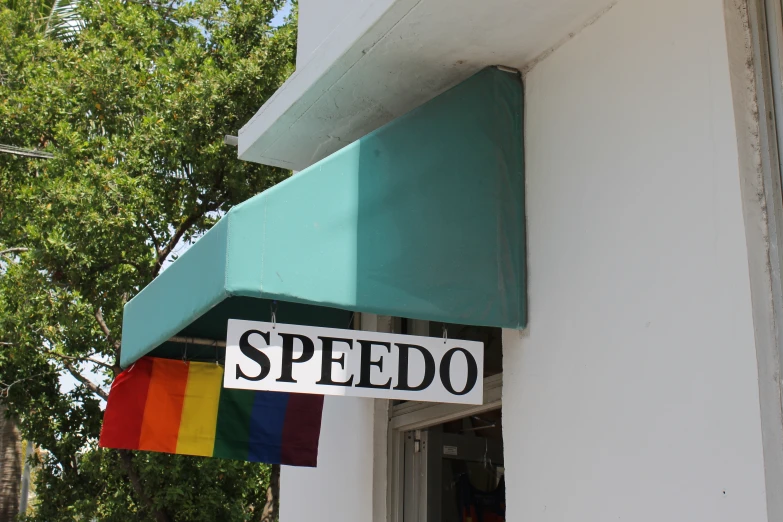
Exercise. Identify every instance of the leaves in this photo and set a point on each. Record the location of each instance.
(62, 20)
(133, 105)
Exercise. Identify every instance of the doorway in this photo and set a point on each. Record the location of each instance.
(446, 460)
(454, 471)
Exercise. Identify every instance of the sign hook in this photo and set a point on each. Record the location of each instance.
(445, 333)
(273, 307)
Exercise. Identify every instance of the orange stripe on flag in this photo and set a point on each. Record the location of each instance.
(163, 409)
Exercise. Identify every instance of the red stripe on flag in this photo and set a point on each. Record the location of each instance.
(302, 429)
(125, 408)
(163, 411)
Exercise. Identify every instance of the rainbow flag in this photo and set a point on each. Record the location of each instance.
(172, 406)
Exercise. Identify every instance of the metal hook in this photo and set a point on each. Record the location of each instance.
(487, 460)
(185, 354)
(217, 356)
(273, 307)
(445, 333)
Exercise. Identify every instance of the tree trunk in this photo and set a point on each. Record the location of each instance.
(10, 467)
(126, 457)
(270, 513)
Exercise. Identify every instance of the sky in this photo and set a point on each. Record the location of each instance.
(281, 14)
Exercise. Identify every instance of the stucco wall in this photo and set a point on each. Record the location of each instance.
(317, 19)
(340, 488)
(634, 394)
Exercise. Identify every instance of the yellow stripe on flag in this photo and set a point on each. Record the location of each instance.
(200, 410)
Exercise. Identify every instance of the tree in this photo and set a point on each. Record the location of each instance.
(10, 467)
(55, 18)
(134, 107)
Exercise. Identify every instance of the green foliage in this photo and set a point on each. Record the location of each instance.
(55, 18)
(190, 488)
(134, 106)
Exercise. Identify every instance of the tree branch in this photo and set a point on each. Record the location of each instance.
(5, 389)
(13, 250)
(87, 382)
(99, 317)
(154, 239)
(271, 509)
(127, 462)
(85, 359)
(164, 252)
(181, 230)
(104, 267)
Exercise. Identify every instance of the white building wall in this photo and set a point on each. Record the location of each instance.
(634, 394)
(317, 19)
(340, 488)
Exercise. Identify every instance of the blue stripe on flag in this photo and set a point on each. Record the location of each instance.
(266, 427)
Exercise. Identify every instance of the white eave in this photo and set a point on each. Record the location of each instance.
(387, 57)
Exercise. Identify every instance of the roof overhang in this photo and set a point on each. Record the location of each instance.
(423, 218)
(387, 57)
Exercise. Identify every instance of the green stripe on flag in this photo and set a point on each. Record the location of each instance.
(232, 435)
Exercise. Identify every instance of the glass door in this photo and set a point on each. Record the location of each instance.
(446, 460)
(453, 472)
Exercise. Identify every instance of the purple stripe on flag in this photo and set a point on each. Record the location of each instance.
(302, 429)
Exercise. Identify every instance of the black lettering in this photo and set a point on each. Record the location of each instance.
(251, 352)
(402, 375)
(288, 355)
(328, 359)
(445, 374)
(367, 363)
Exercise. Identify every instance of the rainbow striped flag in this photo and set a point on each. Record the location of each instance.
(172, 406)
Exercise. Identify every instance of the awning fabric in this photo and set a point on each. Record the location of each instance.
(422, 218)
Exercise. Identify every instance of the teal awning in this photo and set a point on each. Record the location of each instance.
(422, 218)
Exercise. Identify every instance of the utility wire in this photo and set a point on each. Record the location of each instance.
(10, 149)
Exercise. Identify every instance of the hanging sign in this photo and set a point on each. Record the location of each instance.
(330, 361)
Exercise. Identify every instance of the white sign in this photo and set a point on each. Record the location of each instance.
(330, 361)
